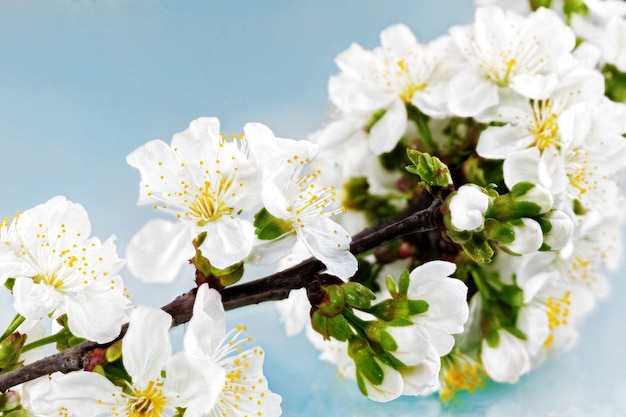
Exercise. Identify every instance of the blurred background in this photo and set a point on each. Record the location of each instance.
(84, 83)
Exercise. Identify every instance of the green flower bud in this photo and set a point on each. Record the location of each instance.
(557, 230)
(9, 400)
(357, 295)
(525, 199)
(10, 351)
(337, 326)
(334, 300)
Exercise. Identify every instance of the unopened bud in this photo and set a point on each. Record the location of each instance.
(528, 237)
(334, 300)
(357, 295)
(337, 326)
(9, 401)
(467, 208)
(10, 351)
(557, 230)
(526, 199)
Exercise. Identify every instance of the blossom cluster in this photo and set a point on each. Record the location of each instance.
(531, 125)
(507, 134)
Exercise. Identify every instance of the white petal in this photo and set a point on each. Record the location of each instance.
(537, 87)
(508, 361)
(158, 251)
(146, 346)
(96, 317)
(193, 383)
(387, 131)
(35, 301)
(86, 394)
(522, 166)
(390, 389)
(469, 94)
(228, 241)
(207, 326)
(330, 243)
(498, 142)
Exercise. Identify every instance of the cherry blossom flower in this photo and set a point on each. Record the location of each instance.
(375, 86)
(507, 51)
(206, 182)
(59, 269)
(244, 389)
(161, 383)
(303, 207)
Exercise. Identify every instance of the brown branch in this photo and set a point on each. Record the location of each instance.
(273, 287)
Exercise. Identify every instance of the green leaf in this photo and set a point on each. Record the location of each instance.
(429, 168)
(268, 227)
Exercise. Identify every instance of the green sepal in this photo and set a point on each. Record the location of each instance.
(357, 295)
(65, 338)
(180, 411)
(378, 114)
(511, 295)
(10, 401)
(493, 338)
(388, 343)
(572, 7)
(337, 326)
(403, 283)
(417, 307)
(614, 83)
(268, 227)
(478, 249)
(114, 352)
(578, 207)
(457, 236)
(516, 332)
(363, 356)
(9, 283)
(10, 351)
(391, 285)
(429, 168)
(499, 231)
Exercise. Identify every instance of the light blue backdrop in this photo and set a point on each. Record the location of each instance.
(83, 83)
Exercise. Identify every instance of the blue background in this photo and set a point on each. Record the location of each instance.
(83, 83)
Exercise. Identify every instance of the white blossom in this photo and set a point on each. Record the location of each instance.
(206, 182)
(59, 269)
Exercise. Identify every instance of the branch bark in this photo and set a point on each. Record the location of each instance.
(271, 288)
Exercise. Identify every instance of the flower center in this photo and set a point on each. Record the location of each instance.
(209, 204)
(557, 312)
(409, 88)
(52, 280)
(545, 126)
(312, 200)
(149, 402)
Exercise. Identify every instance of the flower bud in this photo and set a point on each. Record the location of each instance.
(334, 300)
(467, 208)
(357, 295)
(557, 230)
(10, 351)
(525, 199)
(9, 401)
(528, 237)
(337, 326)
